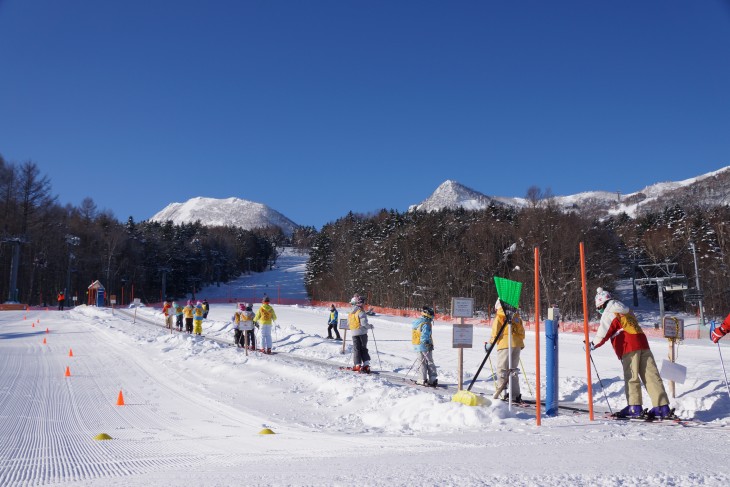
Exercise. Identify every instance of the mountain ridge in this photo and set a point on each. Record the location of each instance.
(708, 189)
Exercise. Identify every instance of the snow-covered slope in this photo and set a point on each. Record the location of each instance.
(225, 212)
(708, 189)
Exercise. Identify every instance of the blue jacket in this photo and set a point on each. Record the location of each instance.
(333, 318)
(426, 327)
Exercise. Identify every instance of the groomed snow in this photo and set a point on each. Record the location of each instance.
(194, 408)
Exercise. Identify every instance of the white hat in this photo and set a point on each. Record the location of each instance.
(601, 297)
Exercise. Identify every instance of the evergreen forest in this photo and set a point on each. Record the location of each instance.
(408, 260)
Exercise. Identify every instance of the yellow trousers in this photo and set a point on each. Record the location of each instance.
(640, 367)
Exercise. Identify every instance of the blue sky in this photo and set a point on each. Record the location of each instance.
(316, 108)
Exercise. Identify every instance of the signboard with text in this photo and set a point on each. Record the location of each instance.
(462, 307)
(462, 336)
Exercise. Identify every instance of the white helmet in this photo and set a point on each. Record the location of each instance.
(601, 297)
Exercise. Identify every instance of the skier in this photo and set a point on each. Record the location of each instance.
(247, 325)
(167, 312)
(357, 321)
(264, 316)
(332, 324)
(178, 316)
(206, 308)
(61, 298)
(188, 313)
(198, 319)
(422, 340)
(629, 342)
(721, 330)
(505, 354)
(237, 325)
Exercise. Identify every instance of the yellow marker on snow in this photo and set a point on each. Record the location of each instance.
(266, 431)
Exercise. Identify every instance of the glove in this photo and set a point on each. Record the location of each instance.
(718, 333)
(429, 346)
(590, 345)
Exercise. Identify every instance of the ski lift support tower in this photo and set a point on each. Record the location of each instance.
(665, 278)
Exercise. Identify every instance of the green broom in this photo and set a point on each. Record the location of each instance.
(509, 296)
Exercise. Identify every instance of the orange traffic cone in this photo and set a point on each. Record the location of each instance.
(47, 330)
(33, 325)
(70, 352)
(44, 341)
(120, 399)
(68, 372)
(25, 317)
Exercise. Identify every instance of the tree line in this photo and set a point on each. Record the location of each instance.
(407, 260)
(46, 248)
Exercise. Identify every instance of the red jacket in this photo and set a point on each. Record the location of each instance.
(623, 342)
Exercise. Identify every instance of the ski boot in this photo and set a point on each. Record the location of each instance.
(634, 411)
(660, 412)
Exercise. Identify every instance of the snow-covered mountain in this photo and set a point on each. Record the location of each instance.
(225, 212)
(451, 194)
(706, 190)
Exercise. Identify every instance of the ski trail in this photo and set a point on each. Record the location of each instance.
(72, 410)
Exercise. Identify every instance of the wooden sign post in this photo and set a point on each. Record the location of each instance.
(462, 334)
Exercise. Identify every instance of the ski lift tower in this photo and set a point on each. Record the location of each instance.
(665, 278)
(14, 265)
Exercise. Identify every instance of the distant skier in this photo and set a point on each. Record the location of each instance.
(505, 354)
(198, 319)
(206, 308)
(61, 298)
(178, 316)
(629, 342)
(721, 330)
(357, 321)
(167, 313)
(264, 316)
(422, 341)
(188, 314)
(247, 326)
(332, 324)
(237, 332)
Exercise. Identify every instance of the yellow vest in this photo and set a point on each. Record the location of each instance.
(353, 320)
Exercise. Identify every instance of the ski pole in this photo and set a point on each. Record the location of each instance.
(419, 359)
(723, 369)
(601, 382)
(376, 348)
(525, 376)
(489, 352)
(491, 366)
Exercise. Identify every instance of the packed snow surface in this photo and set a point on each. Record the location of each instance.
(194, 407)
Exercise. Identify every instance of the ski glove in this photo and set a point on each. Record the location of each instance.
(590, 345)
(718, 333)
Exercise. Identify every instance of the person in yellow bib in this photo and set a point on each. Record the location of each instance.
(422, 341)
(507, 356)
(198, 319)
(357, 321)
(237, 332)
(619, 325)
(264, 317)
(188, 314)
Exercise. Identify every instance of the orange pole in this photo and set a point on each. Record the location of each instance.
(585, 329)
(537, 335)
